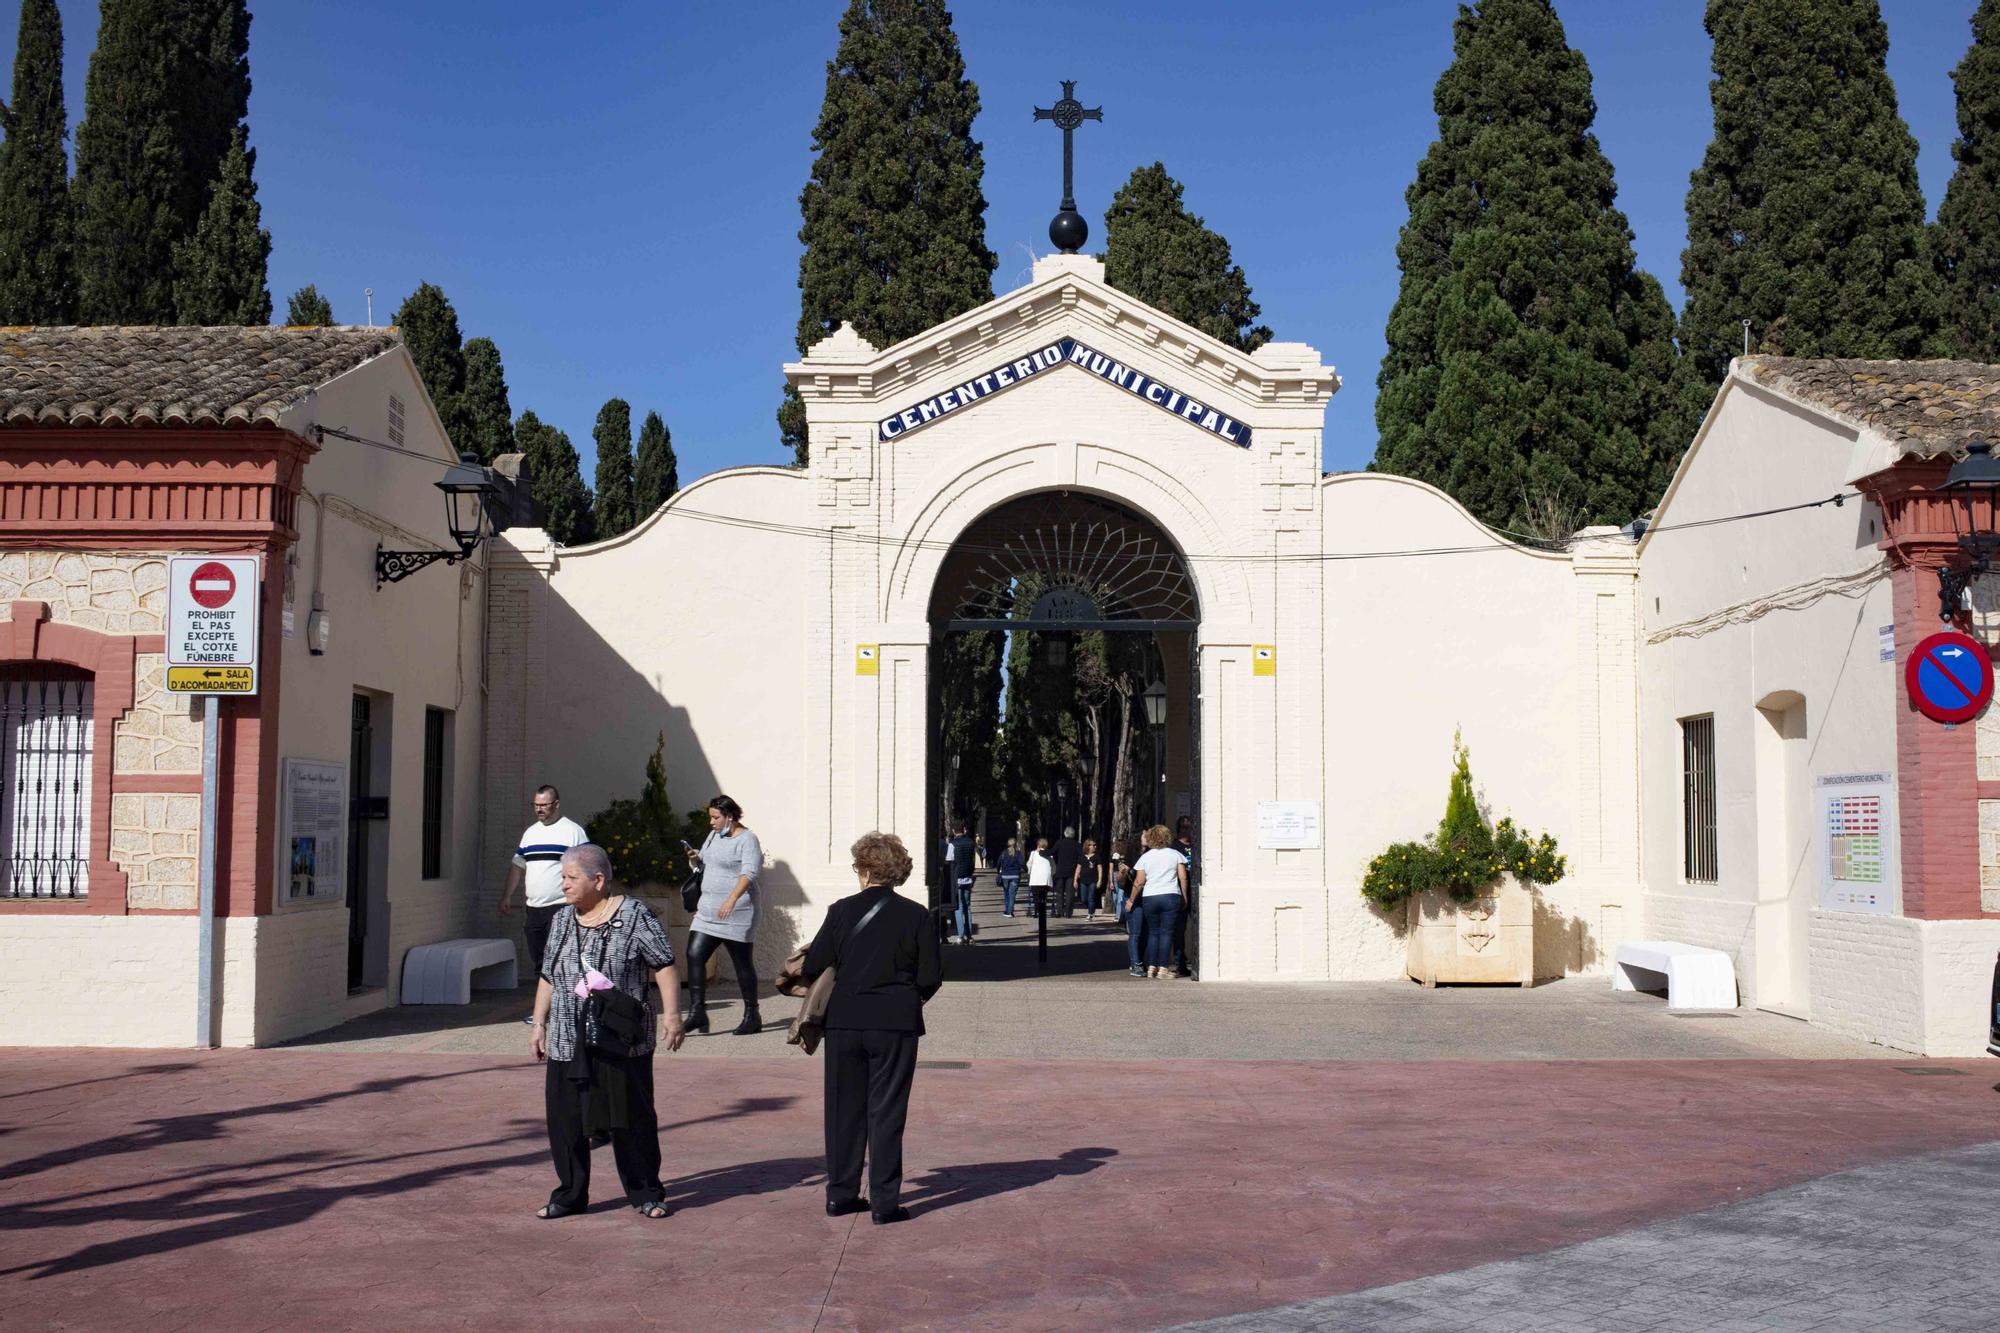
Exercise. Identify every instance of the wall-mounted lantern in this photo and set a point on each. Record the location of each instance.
(1972, 489)
(469, 490)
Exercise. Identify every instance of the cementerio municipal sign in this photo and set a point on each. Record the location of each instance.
(1068, 351)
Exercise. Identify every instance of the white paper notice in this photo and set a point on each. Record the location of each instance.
(1288, 825)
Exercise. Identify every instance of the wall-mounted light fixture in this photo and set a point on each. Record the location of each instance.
(468, 489)
(1973, 489)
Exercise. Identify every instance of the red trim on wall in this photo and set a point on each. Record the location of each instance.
(156, 784)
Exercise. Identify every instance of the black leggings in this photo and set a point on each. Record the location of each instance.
(700, 947)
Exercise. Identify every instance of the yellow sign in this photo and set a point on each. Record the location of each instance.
(1264, 659)
(211, 680)
(865, 656)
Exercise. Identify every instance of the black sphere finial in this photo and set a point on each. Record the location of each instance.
(1069, 231)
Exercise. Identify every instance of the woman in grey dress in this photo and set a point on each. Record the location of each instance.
(730, 861)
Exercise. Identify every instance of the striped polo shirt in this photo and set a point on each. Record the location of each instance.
(540, 858)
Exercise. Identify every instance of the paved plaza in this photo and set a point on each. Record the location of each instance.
(1341, 1157)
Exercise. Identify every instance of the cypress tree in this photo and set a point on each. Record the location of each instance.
(613, 488)
(656, 475)
(894, 215)
(555, 480)
(487, 411)
(308, 309)
(219, 270)
(1965, 239)
(1529, 358)
(430, 330)
(168, 88)
(1167, 257)
(37, 264)
(1805, 216)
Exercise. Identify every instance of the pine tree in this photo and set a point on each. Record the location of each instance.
(488, 415)
(613, 486)
(555, 480)
(1529, 359)
(656, 475)
(219, 270)
(1805, 216)
(308, 309)
(37, 262)
(1965, 239)
(894, 215)
(168, 88)
(1167, 257)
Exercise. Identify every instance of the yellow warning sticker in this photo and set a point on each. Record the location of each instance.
(1264, 659)
(865, 656)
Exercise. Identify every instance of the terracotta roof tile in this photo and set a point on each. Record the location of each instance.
(1921, 407)
(128, 376)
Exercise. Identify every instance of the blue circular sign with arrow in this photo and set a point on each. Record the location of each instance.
(1950, 677)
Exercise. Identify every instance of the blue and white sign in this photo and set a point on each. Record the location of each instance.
(1067, 351)
(1949, 677)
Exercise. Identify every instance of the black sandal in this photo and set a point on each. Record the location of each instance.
(654, 1210)
(549, 1212)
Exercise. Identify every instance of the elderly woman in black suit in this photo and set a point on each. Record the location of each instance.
(600, 1079)
(884, 956)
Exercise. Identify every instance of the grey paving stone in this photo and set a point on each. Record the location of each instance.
(1907, 1245)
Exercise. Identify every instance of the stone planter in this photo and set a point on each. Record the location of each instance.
(1491, 938)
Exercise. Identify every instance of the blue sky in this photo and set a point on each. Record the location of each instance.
(612, 196)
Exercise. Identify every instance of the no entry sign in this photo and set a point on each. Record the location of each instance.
(1950, 677)
(212, 624)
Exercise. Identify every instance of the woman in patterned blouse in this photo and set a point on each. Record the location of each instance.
(597, 942)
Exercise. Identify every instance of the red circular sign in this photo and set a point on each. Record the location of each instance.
(212, 585)
(1949, 677)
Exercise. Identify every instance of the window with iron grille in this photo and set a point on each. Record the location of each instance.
(45, 751)
(1698, 858)
(437, 789)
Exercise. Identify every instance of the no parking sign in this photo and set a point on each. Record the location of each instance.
(1950, 677)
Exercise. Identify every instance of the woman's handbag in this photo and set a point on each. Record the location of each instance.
(810, 1026)
(691, 892)
(613, 1022)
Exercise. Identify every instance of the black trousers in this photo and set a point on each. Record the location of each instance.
(700, 948)
(536, 927)
(868, 1076)
(636, 1150)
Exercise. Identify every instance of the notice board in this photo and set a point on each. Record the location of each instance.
(313, 851)
(1857, 842)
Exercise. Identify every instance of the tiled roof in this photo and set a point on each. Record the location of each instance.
(120, 376)
(1920, 407)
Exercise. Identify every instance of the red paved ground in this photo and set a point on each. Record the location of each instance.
(305, 1190)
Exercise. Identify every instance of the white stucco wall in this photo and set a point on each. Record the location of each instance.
(1779, 612)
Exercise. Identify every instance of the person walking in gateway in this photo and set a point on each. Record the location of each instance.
(1090, 878)
(730, 861)
(596, 1015)
(1068, 856)
(1159, 889)
(961, 850)
(1009, 871)
(884, 955)
(538, 864)
(1041, 874)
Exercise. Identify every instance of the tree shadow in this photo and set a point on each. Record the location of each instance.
(948, 1186)
(177, 1068)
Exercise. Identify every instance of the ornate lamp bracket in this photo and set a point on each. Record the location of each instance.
(394, 566)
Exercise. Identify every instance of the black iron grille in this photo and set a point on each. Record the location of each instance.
(45, 749)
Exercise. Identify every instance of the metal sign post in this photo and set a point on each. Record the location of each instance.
(213, 638)
(211, 729)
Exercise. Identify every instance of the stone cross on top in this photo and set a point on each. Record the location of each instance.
(1068, 229)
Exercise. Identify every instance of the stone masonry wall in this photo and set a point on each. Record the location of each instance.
(112, 594)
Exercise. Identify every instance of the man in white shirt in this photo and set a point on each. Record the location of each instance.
(538, 862)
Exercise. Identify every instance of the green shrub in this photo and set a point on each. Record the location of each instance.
(641, 835)
(1465, 855)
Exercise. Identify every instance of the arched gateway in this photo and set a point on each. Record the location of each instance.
(782, 628)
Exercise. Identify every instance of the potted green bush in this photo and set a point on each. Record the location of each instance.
(1468, 890)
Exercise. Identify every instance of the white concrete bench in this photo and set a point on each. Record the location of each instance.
(443, 973)
(1697, 978)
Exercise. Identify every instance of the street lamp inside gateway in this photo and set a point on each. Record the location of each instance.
(1973, 489)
